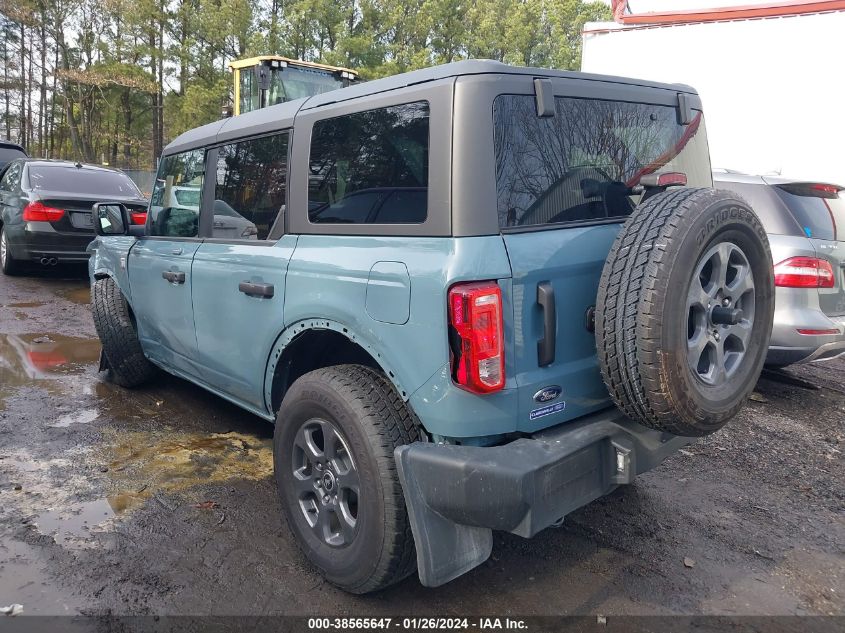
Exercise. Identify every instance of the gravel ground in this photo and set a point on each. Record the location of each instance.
(161, 501)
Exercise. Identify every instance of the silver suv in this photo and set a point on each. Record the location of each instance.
(805, 222)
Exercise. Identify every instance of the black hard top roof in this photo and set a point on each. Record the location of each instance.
(281, 116)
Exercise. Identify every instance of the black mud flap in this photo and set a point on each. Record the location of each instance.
(445, 549)
(104, 363)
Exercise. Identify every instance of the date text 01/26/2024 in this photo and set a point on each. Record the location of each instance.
(417, 623)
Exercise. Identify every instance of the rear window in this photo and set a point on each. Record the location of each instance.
(579, 165)
(94, 182)
(820, 214)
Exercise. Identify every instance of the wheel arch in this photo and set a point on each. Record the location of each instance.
(121, 281)
(312, 344)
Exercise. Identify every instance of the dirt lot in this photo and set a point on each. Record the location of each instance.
(160, 501)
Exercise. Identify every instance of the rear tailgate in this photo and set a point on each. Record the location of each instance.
(819, 210)
(563, 189)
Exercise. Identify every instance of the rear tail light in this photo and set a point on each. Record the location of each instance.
(666, 179)
(831, 330)
(478, 355)
(138, 217)
(38, 212)
(804, 272)
(825, 188)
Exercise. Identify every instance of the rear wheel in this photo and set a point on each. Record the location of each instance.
(128, 367)
(333, 454)
(684, 310)
(8, 264)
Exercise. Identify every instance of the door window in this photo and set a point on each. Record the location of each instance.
(580, 164)
(177, 195)
(250, 187)
(370, 167)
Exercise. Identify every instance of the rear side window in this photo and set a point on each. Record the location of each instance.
(100, 183)
(580, 164)
(177, 195)
(370, 167)
(821, 214)
(251, 187)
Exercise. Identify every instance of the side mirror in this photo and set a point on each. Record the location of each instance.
(110, 218)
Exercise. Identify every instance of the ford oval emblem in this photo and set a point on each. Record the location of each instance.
(547, 394)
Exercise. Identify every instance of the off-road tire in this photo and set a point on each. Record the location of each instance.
(9, 265)
(374, 420)
(642, 311)
(128, 367)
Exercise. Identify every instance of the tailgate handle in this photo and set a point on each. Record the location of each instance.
(173, 277)
(546, 345)
(253, 289)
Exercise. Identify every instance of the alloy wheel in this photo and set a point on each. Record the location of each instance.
(326, 481)
(720, 313)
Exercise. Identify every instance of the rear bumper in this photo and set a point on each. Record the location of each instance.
(36, 240)
(456, 495)
(788, 345)
(791, 355)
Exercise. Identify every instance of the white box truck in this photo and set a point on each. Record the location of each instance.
(770, 77)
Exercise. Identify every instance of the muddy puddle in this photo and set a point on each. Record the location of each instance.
(142, 465)
(42, 359)
(25, 304)
(80, 296)
(24, 580)
(50, 495)
(86, 416)
(71, 526)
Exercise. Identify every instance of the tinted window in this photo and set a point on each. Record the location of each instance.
(370, 167)
(580, 164)
(8, 154)
(177, 193)
(251, 187)
(821, 216)
(294, 83)
(100, 183)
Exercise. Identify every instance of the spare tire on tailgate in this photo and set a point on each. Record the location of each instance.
(684, 310)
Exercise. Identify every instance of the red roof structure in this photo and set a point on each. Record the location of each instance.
(743, 12)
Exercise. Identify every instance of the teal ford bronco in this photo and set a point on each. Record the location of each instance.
(472, 298)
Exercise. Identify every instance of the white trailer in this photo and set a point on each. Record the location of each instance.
(772, 87)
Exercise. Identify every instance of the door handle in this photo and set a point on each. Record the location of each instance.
(173, 276)
(546, 345)
(255, 289)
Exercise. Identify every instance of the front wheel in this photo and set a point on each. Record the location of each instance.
(333, 456)
(128, 367)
